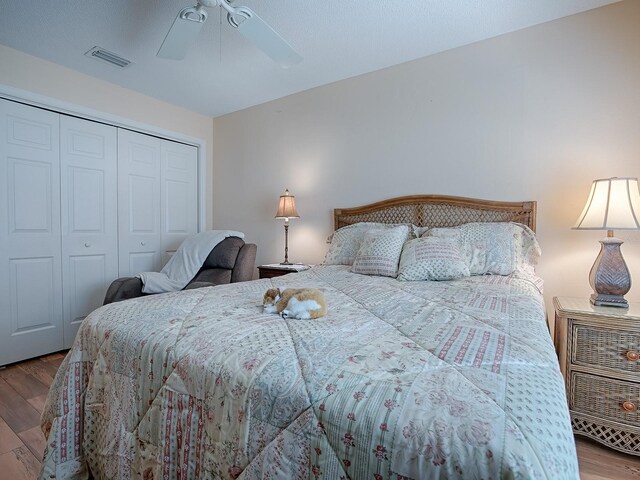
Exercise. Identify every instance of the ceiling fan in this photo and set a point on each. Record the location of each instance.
(189, 21)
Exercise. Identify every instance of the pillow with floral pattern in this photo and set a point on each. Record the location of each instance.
(432, 258)
(380, 252)
(345, 242)
(498, 248)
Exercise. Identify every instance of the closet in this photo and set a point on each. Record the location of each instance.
(157, 200)
(81, 203)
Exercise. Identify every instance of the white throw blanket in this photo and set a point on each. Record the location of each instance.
(185, 263)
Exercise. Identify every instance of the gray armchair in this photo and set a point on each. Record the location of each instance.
(230, 261)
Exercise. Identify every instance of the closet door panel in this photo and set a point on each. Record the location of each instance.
(89, 217)
(179, 195)
(30, 269)
(29, 275)
(84, 287)
(138, 203)
(30, 192)
(143, 262)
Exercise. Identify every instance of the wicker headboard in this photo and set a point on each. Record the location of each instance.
(437, 211)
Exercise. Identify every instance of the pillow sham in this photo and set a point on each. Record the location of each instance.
(345, 242)
(432, 258)
(498, 248)
(419, 231)
(380, 252)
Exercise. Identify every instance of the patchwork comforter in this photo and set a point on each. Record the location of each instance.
(402, 380)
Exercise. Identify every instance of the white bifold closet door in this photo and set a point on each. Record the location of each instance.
(157, 200)
(81, 203)
(30, 249)
(179, 193)
(138, 203)
(88, 180)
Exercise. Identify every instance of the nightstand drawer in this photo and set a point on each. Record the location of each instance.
(277, 270)
(605, 398)
(614, 349)
(270, 273)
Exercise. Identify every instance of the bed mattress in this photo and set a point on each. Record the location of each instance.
(402, 380)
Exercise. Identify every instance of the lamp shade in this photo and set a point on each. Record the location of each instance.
(287, 206)
(613, 204)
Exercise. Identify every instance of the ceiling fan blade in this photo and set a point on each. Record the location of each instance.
(264, 37)
(182, 34)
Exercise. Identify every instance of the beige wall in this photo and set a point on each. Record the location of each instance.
(531, 115)
(25, 72)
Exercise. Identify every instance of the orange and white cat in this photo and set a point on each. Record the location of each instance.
(301, 303)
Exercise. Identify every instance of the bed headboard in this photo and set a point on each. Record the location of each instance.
(437, 211)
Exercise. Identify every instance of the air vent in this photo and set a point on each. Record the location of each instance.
(104, 55)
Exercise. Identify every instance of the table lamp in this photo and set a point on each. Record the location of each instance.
(613, 204)
(286, 210)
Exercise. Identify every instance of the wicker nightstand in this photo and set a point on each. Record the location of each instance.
(599, 352)
(277, 270)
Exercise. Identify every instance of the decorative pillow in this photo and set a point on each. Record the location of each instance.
(528, 250)
(497, 248)
(419, 231)
(380, 252)
(346, 241)
(432, 258)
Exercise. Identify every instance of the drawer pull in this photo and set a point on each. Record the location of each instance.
(632, 356)
(629, 406)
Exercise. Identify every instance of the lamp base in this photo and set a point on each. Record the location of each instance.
(286, 263)
(608, 300)
(609, 276)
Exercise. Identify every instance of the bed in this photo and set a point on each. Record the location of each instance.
(401, 380)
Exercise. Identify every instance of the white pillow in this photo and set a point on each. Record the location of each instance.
(432, 258)
(346, 241)
(419, 231)
(380, 252)
(497, 248)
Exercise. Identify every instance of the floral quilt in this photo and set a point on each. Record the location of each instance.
(401, 380)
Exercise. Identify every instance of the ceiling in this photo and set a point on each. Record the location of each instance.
(223, 72)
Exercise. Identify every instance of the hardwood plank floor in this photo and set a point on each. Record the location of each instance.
(23, 388)
(8, 439)
(598, 463)
(20, 416)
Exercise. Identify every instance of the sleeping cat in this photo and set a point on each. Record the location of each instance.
(302, 303)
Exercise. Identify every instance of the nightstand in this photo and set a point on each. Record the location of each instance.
(599, 353)
(277, 270)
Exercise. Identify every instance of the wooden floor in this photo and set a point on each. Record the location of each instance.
(23, 390)
(24, 386)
